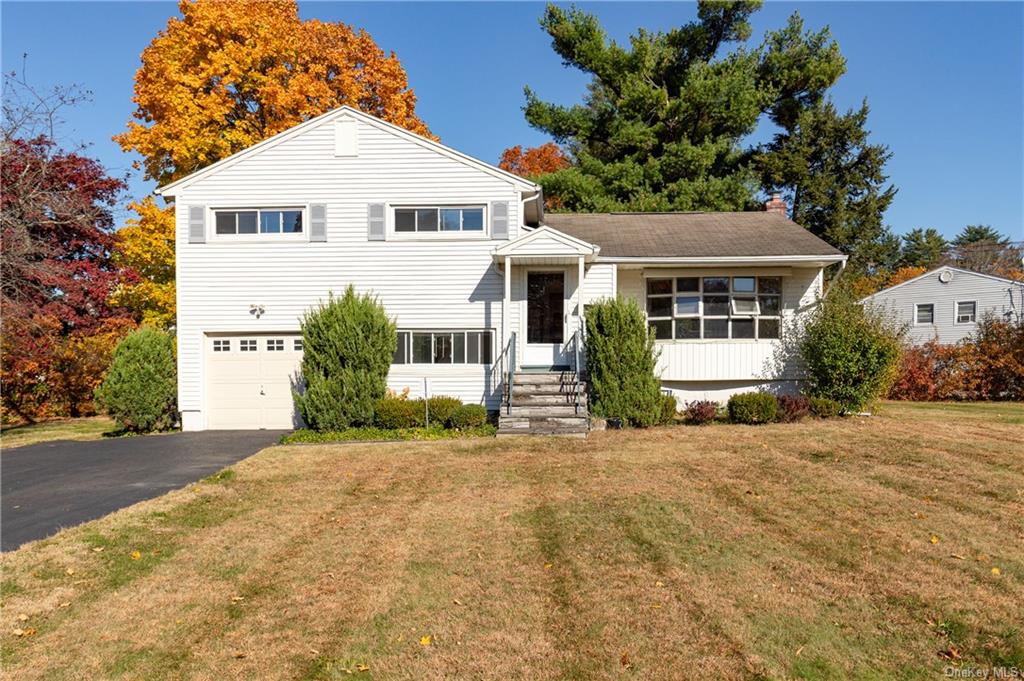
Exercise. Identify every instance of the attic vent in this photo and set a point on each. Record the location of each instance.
(346, 138)
(945, 276)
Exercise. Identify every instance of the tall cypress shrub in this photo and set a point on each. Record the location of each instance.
(140, 388)
(348, 345)
(621, 359)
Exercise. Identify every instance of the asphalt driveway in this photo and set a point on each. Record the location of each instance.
(52, 485)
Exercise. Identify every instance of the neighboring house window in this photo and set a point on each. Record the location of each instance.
(924, 313)
(222, 346)
(247, 345)
(443, 347)
(706, 308)
(258, 222)
(439, 219)
(966, 312)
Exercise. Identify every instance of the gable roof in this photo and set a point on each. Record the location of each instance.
(552, 242)
(1002, 280)
(343, 112)
(694, 235)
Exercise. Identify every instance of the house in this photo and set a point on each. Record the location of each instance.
(482, 284)
(947, 303)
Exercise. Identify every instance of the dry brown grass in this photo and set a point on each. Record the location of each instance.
(779, 551)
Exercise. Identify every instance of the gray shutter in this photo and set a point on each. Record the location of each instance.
(499, 219)
(317, 222)
(375, 222)
(197, 224)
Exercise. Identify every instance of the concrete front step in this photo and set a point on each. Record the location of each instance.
(544, 410)
(543, 378)
(547, 388)
(521, 422)
(540, 400)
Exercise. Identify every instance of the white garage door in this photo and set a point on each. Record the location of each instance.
(250, 380)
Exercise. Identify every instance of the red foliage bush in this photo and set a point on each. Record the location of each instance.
(701, 411)
(792, 408)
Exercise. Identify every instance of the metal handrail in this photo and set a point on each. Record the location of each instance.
(576, 365)
(510, 354)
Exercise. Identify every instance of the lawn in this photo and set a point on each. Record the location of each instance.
(882, 547)
(89, 428)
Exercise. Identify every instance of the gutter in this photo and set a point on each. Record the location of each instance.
(725, 260)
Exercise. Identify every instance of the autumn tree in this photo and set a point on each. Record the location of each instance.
(981, 248)
(534, 161)
(146, 246)
(228, 74)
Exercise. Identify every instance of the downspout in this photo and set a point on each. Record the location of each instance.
(522, 207)
(835, 277)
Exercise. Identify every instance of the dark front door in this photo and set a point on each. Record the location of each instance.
(545, 295)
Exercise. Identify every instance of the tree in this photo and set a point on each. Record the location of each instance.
(834, 180)
(146, 246)
(904, 274)
(227, 75)
(662, 125)
(923, 248)
(535, 161)
(973, 234)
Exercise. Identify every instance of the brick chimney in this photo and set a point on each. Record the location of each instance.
(776, 204)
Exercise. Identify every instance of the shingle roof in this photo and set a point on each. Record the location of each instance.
(682, 235)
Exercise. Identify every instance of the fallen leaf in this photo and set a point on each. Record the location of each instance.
(957, 556)
(28, 631)
(235, 599)
(69, 571)
(65, 604)
(362, 667)
(935, 540)
(659, 584)
(656, 606)
(23, 617)
(425, 640)
(97, 549)
(239, 656)
(996, 571)
(799, 650)
(547, 566)
(624, 659)
(456, 601)
(136, 555)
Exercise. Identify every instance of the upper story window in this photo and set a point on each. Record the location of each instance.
(440, 219)
(258, 222)
(705, 308)
(966, 312)
(924, 313)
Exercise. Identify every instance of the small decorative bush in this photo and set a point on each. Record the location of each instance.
(349, 343)
(469, 416)
(792, 408)
(621, 359)
(752, 408)
(140, 389)
(669, 409)
(392, 413)
(441, 409)
(825, 408)
(701, 411)
(851, 351)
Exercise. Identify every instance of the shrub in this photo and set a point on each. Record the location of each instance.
(825, 408)
(851, 352)
(621, 359)
(442, 408)
(140, 389)
(348, 346)
(669, 408)
(792, 408)
(992, 361)
(469, 416)
(752, 408)
(392, 413)
(701, 411)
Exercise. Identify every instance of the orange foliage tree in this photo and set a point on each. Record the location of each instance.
(535, 161)
(905, 274)
(230, 73)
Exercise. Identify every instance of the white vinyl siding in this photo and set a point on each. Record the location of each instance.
(420, 282)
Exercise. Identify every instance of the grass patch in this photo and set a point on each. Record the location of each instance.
(870, 548)
(88, 428)
(385, 434)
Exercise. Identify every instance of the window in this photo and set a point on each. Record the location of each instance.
(247, 345)
(924, 313)
(258, 222)
(966, 312)
(436, 220)
(443, 347)
(222, 346)
(297, 345)
(275, 344)
(695, 308)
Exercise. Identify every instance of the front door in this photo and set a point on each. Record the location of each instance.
(545, 319)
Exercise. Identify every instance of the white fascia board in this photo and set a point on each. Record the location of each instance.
(809, 260)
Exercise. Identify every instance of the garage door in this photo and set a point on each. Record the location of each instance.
(250, 379)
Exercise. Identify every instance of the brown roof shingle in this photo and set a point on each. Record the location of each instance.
(681, 235)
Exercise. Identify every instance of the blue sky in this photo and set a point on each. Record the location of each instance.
(945, 81)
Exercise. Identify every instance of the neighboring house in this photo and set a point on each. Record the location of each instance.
(478, 279)
(947, 303)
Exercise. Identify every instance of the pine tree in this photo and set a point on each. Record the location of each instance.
(923, 248)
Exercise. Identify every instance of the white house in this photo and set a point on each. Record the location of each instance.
(482, 284)
(947, 303)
